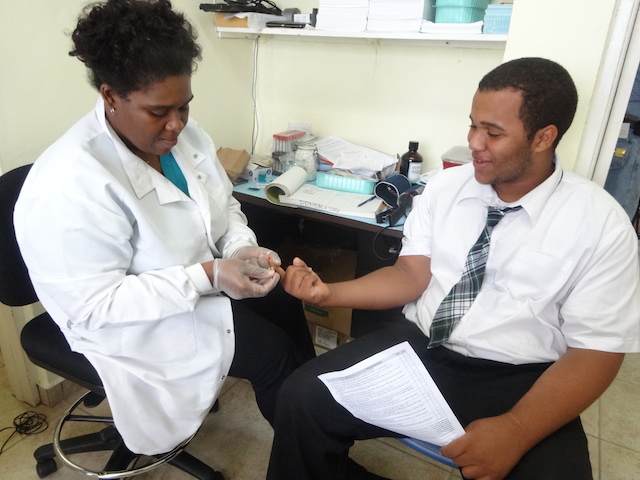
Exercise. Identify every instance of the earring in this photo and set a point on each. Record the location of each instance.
(112, 111)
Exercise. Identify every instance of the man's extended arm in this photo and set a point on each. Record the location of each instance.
(387, 287)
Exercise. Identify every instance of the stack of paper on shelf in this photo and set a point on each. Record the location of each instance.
(395, 15)
(431, 27)
(342, 15)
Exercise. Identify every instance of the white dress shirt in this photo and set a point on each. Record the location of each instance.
(114, 250)
(561, 272)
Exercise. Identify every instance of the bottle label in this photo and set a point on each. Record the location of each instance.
(413, 171)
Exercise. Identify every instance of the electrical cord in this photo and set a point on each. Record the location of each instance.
(254, 96)
(27, 423)
(375, 239)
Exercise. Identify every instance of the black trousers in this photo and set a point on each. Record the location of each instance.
(272, 340)
(313, 433)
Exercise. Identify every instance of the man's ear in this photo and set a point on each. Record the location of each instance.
(544, 138)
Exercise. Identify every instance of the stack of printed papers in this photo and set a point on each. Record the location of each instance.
(358, 160)
(395, 15)
(342, 15)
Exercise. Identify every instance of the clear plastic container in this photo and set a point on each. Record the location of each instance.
(283, 142)
(306, 156)
(283, 147)
(497, 19)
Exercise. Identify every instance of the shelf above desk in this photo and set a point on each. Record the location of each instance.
(452, 40)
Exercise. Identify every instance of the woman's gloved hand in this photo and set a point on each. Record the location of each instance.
(242, 279)
(259, 256)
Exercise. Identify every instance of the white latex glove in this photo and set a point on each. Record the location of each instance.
(259, 256)
(241, 279)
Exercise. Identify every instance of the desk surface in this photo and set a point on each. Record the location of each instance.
(245, 193)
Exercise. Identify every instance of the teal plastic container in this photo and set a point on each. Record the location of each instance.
(497, 19)
(460, 11)
(345, 184)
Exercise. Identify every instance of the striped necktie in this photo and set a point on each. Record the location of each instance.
(461, 296)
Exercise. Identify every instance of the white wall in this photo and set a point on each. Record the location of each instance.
(378, 94)
(573, 33)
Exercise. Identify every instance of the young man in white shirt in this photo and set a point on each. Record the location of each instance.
(547, 332)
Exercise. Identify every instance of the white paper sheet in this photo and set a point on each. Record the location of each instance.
(291, 189)
(394, 390)
(344, 155)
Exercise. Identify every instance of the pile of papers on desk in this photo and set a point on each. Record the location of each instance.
(395, 15)
(362, 161)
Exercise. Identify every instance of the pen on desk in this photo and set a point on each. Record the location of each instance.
(367, 201)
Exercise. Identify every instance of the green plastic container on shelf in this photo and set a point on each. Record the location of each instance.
(460, 11)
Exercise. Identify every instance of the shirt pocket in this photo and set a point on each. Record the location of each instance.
(534, 276)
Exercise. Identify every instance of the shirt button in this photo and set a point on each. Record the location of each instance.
(223, 377)
(228, 330)
(195, 155)
(199, 177)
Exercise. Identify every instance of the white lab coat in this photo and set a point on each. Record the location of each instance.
(114, 251)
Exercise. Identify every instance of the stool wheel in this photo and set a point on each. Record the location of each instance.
(46, 467)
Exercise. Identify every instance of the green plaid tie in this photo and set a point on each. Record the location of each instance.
(461, 296)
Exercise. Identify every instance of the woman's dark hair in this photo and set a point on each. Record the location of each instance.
(130, 44)
(549, 96)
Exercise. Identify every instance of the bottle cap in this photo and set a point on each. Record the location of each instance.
(413, 145)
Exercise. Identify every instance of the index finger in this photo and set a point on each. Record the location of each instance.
(280, 271)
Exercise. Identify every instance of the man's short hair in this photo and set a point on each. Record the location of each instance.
(549, 96)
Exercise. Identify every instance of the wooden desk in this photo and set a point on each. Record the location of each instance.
(376, 245)
(246, 195)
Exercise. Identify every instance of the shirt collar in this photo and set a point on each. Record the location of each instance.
(143, 178)
(533, 202)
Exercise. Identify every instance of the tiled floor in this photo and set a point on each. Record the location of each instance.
(236, 439)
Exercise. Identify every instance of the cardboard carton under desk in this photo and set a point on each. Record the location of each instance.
(329, 326)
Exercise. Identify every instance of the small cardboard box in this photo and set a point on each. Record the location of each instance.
(229, 20)
(233, 161)
(327, 338)
(330, 326)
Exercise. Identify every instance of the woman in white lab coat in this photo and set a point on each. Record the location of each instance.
(136, 246)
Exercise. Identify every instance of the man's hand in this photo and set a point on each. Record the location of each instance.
(302, 282)
(489, 449)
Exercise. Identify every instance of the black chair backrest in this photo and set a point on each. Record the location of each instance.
(41, 338)
(16, 289)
